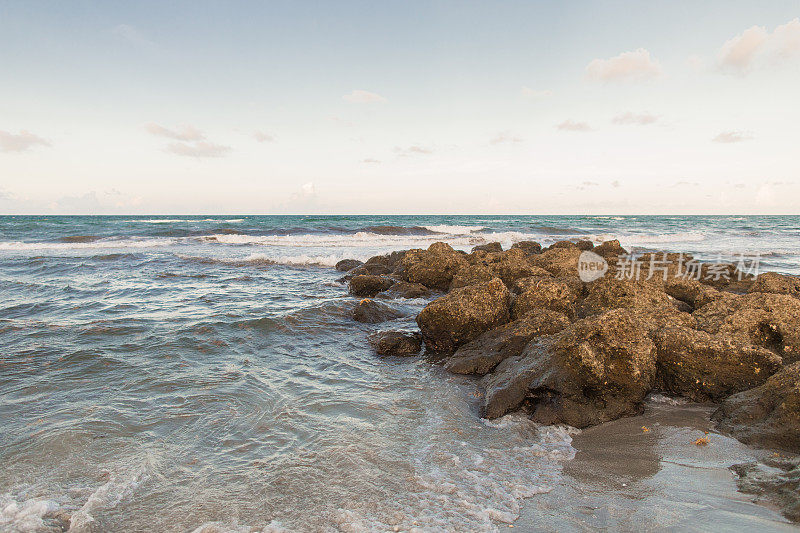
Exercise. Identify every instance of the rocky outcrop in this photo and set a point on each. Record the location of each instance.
(404, 289)
(369, 286)
(398, 343)
(597, 369)
(512, 265)
(702, 367)
(470, 275)
(771, 321)
(768, 415)
(582, 245)
(434, 267)
(612, 293)
(488, 247)
(692, 292)
(775, 283)
(463, 315)
(610, 249)
(371, 269)
(560, 262)
(372, 312)
(529, 247)
(544, 293)
(348, 264)
(481, 355)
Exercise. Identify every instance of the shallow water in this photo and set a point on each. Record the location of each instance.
(173, 373)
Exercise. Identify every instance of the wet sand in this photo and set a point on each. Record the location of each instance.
(627, 478)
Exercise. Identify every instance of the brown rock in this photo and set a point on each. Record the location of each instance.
(366, 285)
(529, 247)
(434, 267)
(560, 262)
(702, 367)
(399, 343)
(463, 315)
(611, 293)
(545, 293)
(512, 265)
(488, 247)
(610, 249)
(404, 289)
(777, 283)
(372, 312)
(768, 415)
(470, 275)
(691, 291)
(348, 264)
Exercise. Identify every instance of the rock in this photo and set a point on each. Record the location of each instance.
(434, 267)
(777, 283)
(463, 315)
(611, 293)
(512, 265)
(523, 284)
(703, 367)
(398, 343)
(470, 275)
(374, 269)
(366, 285)
(584, 245)
(545, 293)
(372, 312)
(560, 262)
(610, 249)
(768, 415)
(348, 264)
(771, 321)
(484, 353)
(776, 478)
(404, 289)
(597, 369)
(378, 260)
(488, 247)
(692, 292)
(562, 244)
(529, 247)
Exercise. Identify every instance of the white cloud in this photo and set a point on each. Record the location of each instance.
(743, 52)
(181, 133)
(571, 125)
(628, 66)
(786, 39)
(413, 150)
(732, 137)
(363, 97)
(505, 137)
(639, 119)
(20, 142)
(527, 92)
(262, 137)
(199, 149)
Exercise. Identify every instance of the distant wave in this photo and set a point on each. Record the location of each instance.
(400, 230)
(554, 230)
(455, 230)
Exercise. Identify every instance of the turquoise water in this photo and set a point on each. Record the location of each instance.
(163, 373)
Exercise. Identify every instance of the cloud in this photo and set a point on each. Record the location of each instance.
(638, 119)
(412, 150)
(262, 137)
(732, 137)
(628, 66)
(743, 52)
(571, 125)
(363, 97)
(370, 160)
(182, 133)
(505, 137)
(20, 142)
(527, 92)
(201, 149)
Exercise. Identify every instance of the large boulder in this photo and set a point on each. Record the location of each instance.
(771, 321)
(702, 367)
(612, 293)
(400, 343)
(369, 286)
(470, 275)
(692, 292)
(370, 269)
(768, 415)
(488, 247)
(596, 370)
(545, 293)
(487, 351)
(560, 262)
(348, 264)
(434, 267)
(463, 315)
(777, 284)
(512, 265)
(610, 249)
(404, 289)
(372, 312)
(529, 247)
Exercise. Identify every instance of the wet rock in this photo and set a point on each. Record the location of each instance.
(703, 367)
(610, 249)
(481, 355)
(374, 269)
(399, 343)
(529, 247)
(611, 293)
(372, 312)
(512, 265)
(768, 415)
(404, 289)
(776, 478)
(434, 267)
(470, 275)
(463, 315)
(773, 282)
(378, 260)
(366, 285)
(488, 247)
(771, 321)
(545, 293)
(597, 369)
(560, 262)
(348, 264)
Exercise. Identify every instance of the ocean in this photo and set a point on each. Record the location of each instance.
(174, 373)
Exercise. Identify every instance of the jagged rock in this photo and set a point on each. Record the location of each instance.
(488, 247)
(378, 260)
(463, 315)
(771, 321)
(510, 265)
(348, 264)
(612, 293)
(487, 351)
(597, 369)
(470, 275)
(529, 247)
(366, 285)
(777, 283)
(373, 269)
(434, 267)
(584, 245)
(545, 293)
(372, 312)
(692, 292)
(610, 249)
(768, 415)
(523, 284)
(404, 289)
(562, 244)
(396, 342)
(702, 367)
(560, 262)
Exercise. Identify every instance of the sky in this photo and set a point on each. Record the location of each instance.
(399, 107)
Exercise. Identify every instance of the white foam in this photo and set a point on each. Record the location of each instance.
(455, 230)
(26, 515)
